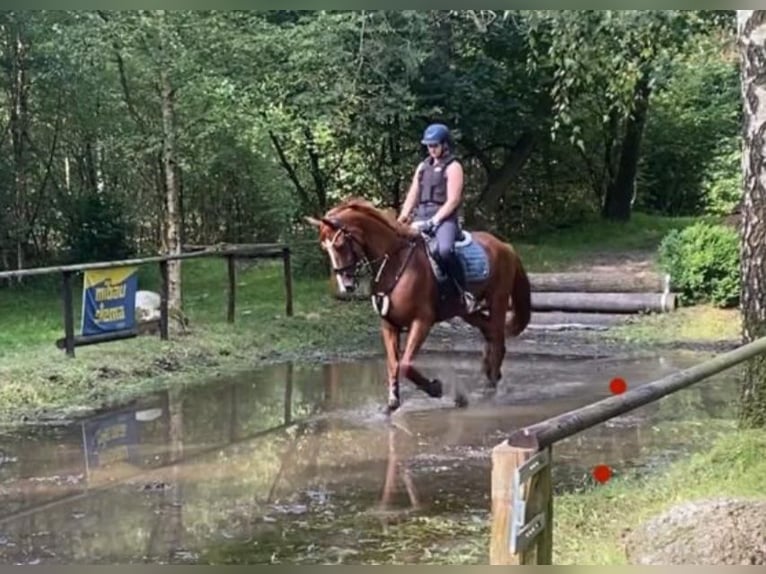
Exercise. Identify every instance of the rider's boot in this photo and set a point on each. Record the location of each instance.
(455, 271)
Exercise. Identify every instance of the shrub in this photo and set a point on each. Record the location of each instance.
(703, 262)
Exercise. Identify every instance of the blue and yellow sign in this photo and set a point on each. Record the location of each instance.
(109, 300)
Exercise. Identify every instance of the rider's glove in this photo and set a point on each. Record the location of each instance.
(427, 227)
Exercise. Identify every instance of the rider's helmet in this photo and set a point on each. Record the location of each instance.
(436, 134)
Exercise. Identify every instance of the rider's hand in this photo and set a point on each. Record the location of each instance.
(426, 227)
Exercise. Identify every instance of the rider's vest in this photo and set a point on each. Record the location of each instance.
(433, 181)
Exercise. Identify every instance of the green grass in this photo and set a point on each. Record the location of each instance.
(37, 379)
(588, 531)
(699, 323)
(555, 250)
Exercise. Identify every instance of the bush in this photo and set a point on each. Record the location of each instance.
(703, 262)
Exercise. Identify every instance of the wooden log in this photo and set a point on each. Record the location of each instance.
(604, 302)
(66, 297)
(599, 282)
(550, 431)
(232, 287)
(164, 296)
(257, 250)
(288, 275)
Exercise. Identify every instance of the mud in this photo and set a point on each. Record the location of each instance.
(709, 532)
(298, 464)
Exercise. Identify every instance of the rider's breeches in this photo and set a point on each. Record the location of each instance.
(446, 234)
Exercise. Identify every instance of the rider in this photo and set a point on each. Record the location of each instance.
(435, 194)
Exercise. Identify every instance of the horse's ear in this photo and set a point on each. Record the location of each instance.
(313, 221)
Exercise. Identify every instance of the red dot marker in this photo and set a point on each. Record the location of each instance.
(618, 386)
(602, 473)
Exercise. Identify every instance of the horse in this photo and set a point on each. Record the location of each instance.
(410, 293)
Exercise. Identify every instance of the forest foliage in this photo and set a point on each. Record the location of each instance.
(558, 115)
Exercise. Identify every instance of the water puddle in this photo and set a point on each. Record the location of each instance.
(299, 464)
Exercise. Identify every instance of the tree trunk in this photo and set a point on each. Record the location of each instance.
(19, 93)
(751, 27)
(173, 221)
(619, 193)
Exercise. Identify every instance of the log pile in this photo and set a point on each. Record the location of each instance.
(568, 301)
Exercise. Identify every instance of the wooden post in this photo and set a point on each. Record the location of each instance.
(66, 291)
(288, 282)
(289, 394)
(232, 287)
(527, 470)
(164, 295)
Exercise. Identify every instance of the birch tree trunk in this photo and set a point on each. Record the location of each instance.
(751, 29)
(169, 162)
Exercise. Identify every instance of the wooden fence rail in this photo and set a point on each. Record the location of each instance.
(246, 251)
(522, 499)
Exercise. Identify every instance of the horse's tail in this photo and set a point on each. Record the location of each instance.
(521, 299)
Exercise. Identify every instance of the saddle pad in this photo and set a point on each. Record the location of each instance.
(473, 257)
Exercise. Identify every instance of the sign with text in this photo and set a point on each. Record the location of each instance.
(109, 300)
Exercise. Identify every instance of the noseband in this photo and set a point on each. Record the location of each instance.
(341, 230)
(380, 298)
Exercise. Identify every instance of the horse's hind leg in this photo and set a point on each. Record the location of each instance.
(493, 330)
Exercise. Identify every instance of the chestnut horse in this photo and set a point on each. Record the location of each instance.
(406, 293)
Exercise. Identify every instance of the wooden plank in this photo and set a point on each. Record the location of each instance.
(164, 295)
(66, 291)
(599, 282)
(534, 493)
(232, 287)
(555, 429)
(255, 251)
(288, 281)
(604, 302)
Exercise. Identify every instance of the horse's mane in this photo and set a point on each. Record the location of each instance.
(365, 207)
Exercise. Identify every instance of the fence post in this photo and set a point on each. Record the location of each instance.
(66, 291)
(232, 287)
(522, 506)
(164, 295)
(288, 281)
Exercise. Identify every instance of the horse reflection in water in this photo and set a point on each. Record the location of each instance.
(396, 467)
(408, 296)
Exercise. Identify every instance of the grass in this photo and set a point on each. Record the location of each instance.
(700, 323)
(555, 250)
(36, 380)
(588, 531)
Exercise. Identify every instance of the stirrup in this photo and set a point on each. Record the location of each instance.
(469, 301)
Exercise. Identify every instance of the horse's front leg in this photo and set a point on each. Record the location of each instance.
(391, 341)
(418, 332)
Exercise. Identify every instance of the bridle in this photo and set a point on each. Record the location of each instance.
(380, 298)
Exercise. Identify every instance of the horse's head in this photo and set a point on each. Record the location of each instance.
(355, 230)
(345, 249)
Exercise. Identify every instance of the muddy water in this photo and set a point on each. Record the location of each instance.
(254, 461)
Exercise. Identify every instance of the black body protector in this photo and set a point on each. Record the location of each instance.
(432, 181)
(432, 194)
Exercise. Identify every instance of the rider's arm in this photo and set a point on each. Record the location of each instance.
(454, 193)
(412, 196)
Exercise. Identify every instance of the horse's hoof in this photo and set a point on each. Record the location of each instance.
(392, 406)
(461, 401)
(435, 389)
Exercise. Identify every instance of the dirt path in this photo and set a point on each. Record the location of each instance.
(636, 261)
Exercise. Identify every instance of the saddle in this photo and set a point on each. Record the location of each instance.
(470, 254)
